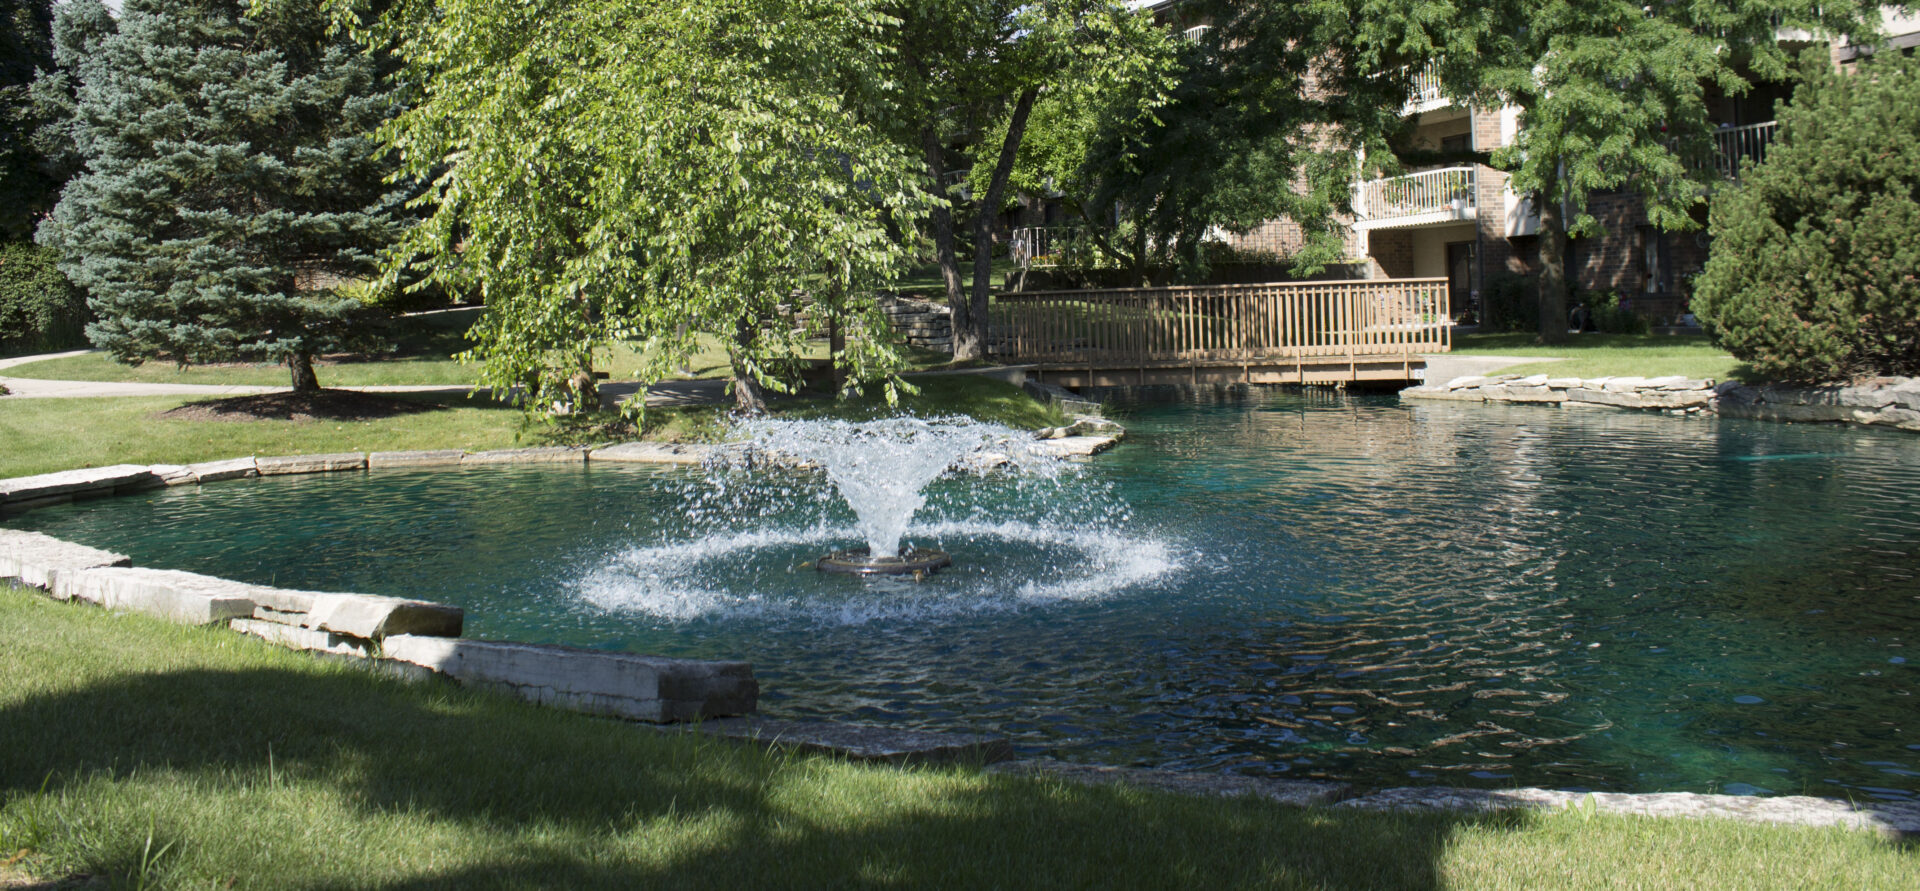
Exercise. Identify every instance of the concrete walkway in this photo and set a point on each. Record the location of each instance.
(1443, 367)
(665, 393)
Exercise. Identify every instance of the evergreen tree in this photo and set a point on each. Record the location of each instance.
(1815, 273)
(27, 184)
(230, 180)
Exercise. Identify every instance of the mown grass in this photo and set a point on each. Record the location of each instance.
(45, 435)
(151, 755)
(1611, 355)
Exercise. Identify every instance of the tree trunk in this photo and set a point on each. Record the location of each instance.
(970, 333)
(304, 380)
(1553, 271)
(944, 249)
(748, 396)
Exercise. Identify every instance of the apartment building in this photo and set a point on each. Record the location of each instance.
(1454, 217)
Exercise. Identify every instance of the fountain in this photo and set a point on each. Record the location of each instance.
(880, 468)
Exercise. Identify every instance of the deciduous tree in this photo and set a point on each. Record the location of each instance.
(1611, 93)
(610, 171)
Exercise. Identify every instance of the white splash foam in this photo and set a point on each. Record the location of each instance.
(676, 581)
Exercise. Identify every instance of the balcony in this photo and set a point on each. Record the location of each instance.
(1733, 145)
(1426, 198)
(1425, 95)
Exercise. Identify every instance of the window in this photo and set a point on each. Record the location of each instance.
(1653, 261)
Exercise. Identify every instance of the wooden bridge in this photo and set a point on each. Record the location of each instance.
(1331, 332)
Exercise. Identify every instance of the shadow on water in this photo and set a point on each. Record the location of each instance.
(559, 800)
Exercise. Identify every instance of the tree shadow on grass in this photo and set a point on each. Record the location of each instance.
(568, 801)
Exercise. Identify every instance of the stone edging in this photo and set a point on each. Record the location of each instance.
(1892, 402)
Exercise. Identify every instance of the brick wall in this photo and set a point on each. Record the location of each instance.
(1390, 252)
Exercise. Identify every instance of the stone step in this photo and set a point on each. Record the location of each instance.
(622, 685)
(1900, 818)
(34, 558)
(184, 597)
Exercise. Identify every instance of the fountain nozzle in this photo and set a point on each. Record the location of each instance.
(917, 562)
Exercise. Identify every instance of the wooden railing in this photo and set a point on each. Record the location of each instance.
(1392, 317)
(1736, 144)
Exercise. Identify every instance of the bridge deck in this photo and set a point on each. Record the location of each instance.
(1287, 332)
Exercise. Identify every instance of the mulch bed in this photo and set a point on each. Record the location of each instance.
(325, 405)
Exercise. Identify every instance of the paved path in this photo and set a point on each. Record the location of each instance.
(1443, 367)
(667, 393)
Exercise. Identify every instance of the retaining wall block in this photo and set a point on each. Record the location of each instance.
(1768, 411)
(230, 469)
(651, 453)
(331, 463)
(34, 558)
(184, 597)
(374, 617)
(1642, 398)
(539, 455)
(418, 458)
(305, 638)
(641, 688)
(1535, 394)
(171, 475)
(70, 483)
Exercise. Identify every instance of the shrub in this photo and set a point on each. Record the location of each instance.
(39, 309)
(1510, 303)
(1815, 270)
(1611, 315)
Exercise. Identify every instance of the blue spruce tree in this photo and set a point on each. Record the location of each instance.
(230, 180)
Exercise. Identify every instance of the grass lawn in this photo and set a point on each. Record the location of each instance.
(1611, 355)
(152, 755)
(45, 435)
(428, 361)
(927, 282)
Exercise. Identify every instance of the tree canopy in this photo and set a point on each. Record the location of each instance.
(609, 171)
(230, 180)
(28, 183)
(1261, 117)
(1611, 93)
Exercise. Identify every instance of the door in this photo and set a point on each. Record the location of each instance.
(1460, 278)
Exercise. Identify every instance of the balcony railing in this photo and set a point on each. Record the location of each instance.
(1430, 196)
(1425, 94)
(1732, 145)
(1040, 246)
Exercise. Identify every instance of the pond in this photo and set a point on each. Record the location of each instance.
(1294, 584)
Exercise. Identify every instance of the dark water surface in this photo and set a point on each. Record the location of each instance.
(1287, 584)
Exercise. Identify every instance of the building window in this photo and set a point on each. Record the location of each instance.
(1653, 261)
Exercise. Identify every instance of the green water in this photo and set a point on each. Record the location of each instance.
(1288, 584)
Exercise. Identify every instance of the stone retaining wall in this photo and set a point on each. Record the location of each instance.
(391, 629)
(922, 323)
(1880, 402)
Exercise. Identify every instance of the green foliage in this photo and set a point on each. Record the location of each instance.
(649, 173)
(1507, 303)
(28, 183)
(231, 180)
(1815, 271)
(40, 311)
(1611, 93)
(1610, 314)
(1257, 120)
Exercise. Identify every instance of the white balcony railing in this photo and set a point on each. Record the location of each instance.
(1430, 196)
(1425, 94)
(1040, 246)
(1732, 145)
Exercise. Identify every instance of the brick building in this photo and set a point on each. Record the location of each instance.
(1459, 220)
